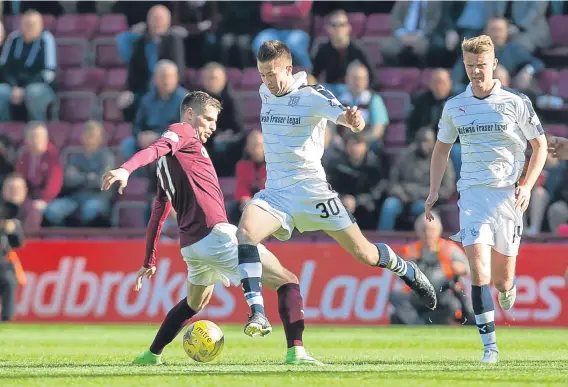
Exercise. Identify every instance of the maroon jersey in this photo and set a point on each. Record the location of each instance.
(187, 181)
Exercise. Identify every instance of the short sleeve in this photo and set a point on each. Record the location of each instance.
(176, 136)
(378, 110)
(325, 104)
(447, 132)
(528, 120)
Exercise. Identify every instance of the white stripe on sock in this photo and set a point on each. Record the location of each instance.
(485, 318)
(247, 270)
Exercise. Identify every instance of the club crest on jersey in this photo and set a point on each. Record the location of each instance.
(204, 152)
(171, 135)
(294, 101)
(498, 107)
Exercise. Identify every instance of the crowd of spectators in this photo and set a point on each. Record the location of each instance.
(381, 174)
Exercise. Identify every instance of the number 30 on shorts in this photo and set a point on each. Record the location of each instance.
(326, 208)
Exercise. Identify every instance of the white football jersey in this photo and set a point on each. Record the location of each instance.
(493, 133)
(293, 127)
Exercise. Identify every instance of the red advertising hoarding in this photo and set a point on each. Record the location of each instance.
(93, 281)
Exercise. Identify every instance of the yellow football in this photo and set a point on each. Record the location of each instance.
(203, 341)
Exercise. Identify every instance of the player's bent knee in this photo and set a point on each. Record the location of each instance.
(244, 235)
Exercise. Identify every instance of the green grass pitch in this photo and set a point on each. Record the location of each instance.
(89, 355)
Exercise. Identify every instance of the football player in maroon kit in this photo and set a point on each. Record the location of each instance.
(187, 181)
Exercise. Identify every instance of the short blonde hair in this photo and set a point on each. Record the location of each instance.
(478, 45)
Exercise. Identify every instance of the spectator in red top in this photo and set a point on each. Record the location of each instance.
(289, 21)
(250, 174)
(40, 166)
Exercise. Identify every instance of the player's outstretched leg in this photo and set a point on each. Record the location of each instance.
(255, 225)
(481, 300)
(354, 242)
(176, 319)
(290, 307)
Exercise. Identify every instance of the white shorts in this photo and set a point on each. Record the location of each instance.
(215, 258)
(488, 216)
(309, 206)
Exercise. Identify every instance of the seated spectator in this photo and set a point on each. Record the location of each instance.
(333, 57)
(333, 146)
(360, 178)
(413, 24)
(443, 262)
(227, 142)
(155, 44)
(159, 109)
(250, 174)
(558, 211)
(427, 105)
(2, 35)
(236, 29)
(464, 20)
(528, 25)
(82, 182)
(409, 182)
(199, 20)
(7, 157)
(544, 189)
(289, 22)
(15, 190)
(40, 165)
(27, 69)
(521, 66)
(369, 103)
(427, 109)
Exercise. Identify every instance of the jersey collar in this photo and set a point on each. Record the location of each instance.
(496, 88)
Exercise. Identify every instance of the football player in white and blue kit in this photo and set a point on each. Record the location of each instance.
(297, 195)
(493, 124)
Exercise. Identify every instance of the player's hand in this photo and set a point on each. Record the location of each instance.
(558, 147)
(143, 272)
(523, 195)
(354, 118)
(121, 175)
(429, 204)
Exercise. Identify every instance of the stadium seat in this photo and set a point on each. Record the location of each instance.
(378, 24)
(548, 81)
(425, 78)
(137, 189)
(371, 48)
(59, 133)
(251, 79)
(77, 106)
(83, 79)
(76, 26)
(234, 77)
(250, 105)
(14, 130)
(395, 135)
(12, 23)
(121, 131)
(357, 21)
(563, 84)
(319, 26)
(106, 53)
(115, 80)
(129, 214)
(397, 104)
(556, 129)
(111, 25)
(71, 52)
(399, 79)
(111, 112)
(559, 29)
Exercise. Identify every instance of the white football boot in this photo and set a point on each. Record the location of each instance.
(507, 299)
(490, 356)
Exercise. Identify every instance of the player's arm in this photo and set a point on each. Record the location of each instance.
(447, 135)
(160, 210)
(168, 143)
(325, 105)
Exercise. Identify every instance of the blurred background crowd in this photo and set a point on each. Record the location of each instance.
(84, 85)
